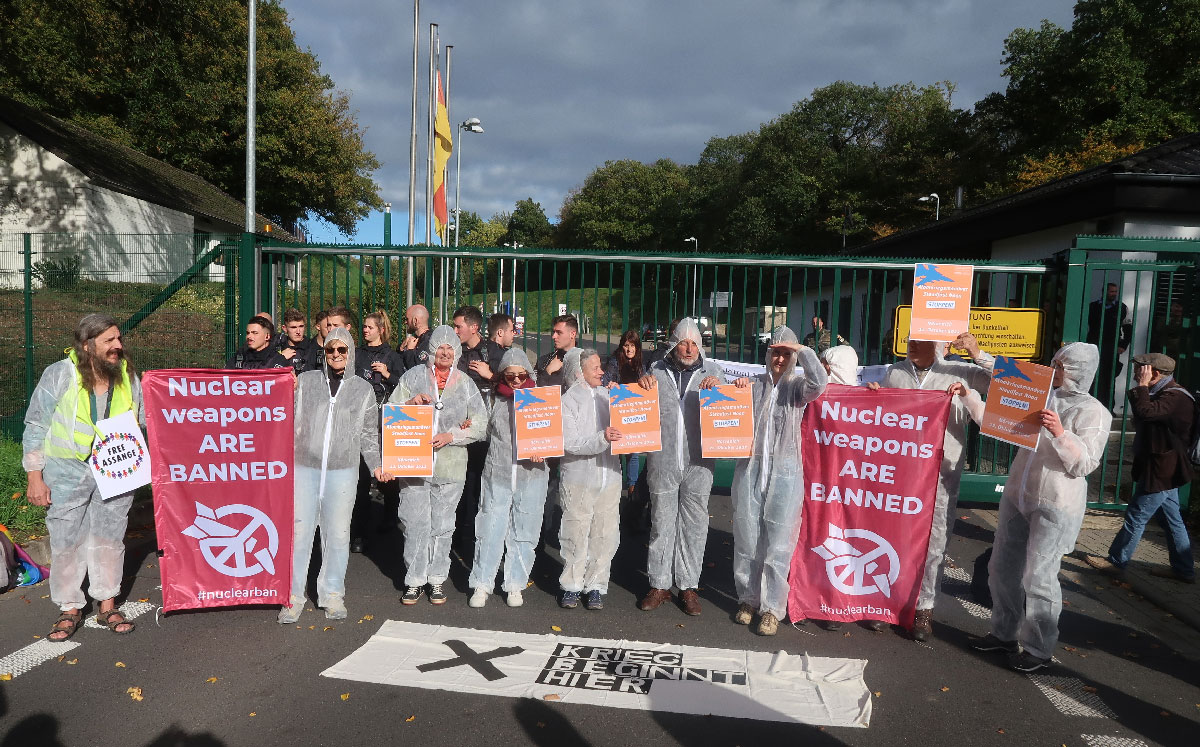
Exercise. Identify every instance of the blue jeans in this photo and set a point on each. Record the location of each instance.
(634, 462)
(1141, 508)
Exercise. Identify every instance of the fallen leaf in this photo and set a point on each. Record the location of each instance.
(878, 693)
(120, 664)
(61, 658)
(149, 565)
(368, 617)
(37, 636)
(556, 629)
(345, 696)
(326, 628)
(679, 625)
(1164, 713)
(1090, 689)
(846, 634)
(999, 731)
(145, 599)
(73, 661)
(211, 680)
(1068, 648)
(5, 677)
(945, 689)
(45, 596)
(253, 714)
(135, 693)
(964, 518)
(551, 696)
(410, 719)
(528, 584)
(312, 627)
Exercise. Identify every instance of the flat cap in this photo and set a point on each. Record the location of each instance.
(1157, 361)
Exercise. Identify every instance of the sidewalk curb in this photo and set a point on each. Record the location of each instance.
(1164, 600)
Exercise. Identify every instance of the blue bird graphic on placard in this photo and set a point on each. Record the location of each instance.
(928, 273)
(396, 415)
(619, 394)
(524, 397)
(1007, 368)
(712, 396)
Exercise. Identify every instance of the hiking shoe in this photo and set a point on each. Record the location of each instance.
(879, 626)
(593, 600)
(654, 599)
(690, 601)
(478, 598)
(1104, 565)
(436, 595)
(1171, 574)
(922, 625)
(412, 594)
(1026, 662)
(832, 625)
(743, 614)
(515, 599)
(568, 600)
(990, 642)
(768, 624)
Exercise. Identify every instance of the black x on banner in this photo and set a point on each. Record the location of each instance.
(466, 656)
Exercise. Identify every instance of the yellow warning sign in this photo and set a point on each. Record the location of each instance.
(1014, 333)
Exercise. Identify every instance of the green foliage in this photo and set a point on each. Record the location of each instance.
(529, 226)
(626, 205)
(202, 298)
(16, 513)
(57, 273)
(169, 80)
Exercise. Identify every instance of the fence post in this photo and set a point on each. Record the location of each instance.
(27, 250)
(1076, 300)
(245, 274)
(625, 291)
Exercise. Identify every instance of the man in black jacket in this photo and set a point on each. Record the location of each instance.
(412, 348)
(1109, 329)
(293, 344)
(258, 352)
(549, 367)
(1163, 413)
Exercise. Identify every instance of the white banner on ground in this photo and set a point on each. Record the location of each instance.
(733, 370)
(617, 674)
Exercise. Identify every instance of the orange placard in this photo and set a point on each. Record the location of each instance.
(941, 307)
(726, 422)
(538, 426)
(634, 411)
(407, 440)
(1016, 398)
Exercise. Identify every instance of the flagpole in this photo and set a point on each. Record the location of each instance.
(412, 156)
(429, 136)
(445, 263)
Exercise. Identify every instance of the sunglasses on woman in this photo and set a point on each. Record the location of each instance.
(516, 376)
(337, 351)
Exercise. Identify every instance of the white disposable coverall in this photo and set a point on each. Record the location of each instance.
(590, 476)
(843, 364)
(511, 500)
(1043, 505)
(768, 488)
(87, 534)
(680, 480)
(428, 505)
(943, 373)
(331, 433)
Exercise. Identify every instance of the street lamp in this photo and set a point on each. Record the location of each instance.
(937, 204)
(500, 280)
(470, 125)
(695, 276)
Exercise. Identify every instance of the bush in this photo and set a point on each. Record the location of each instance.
(57, 274)
(200, 298)
(16, 513)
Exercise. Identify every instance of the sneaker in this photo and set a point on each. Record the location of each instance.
(1104, 565)
(1171, 574)
(568, 600)
(922, 625)
(593, 601)
(478, 598)
(1026, 662)
(411, 595)
(289, 615)
(335, 611)
(654, 599)
(990, 642)
(743, 614)
(436, 595)
(690, 601)
(768, 624)
(515, 599)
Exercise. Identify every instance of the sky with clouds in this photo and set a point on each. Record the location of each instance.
(561, 86)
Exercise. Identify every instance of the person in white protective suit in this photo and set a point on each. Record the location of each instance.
(924, 368)
(768, 488)
(512, 497)
(428, 505)
(336, 421)
(589, 484)
(841, 363)
(1041, 511)
(680, 479)
(87, 534)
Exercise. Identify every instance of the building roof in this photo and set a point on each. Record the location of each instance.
(130, 172)
(1162, 179)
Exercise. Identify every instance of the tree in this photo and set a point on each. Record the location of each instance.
(480, 233)
(529, 226)
(168, 79)
(627, 205)
(1094, 151)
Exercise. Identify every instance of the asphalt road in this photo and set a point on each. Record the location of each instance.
(1114, 681)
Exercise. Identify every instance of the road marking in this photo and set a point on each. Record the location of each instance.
(1105, 740)
(962, 592)
(22, 660)
(1068, 696)
(661, 677)
(130, 610)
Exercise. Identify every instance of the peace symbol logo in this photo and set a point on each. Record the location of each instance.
(854, 568)
(231, 550)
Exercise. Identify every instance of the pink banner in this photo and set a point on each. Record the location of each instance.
(871, 464)
(221, 450)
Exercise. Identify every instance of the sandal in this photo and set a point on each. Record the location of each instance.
(66, 617)
(106, 619)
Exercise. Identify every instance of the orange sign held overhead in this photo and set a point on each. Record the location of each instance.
(538, 425)
(1015, 402)
(634, 411)
(726, 422)
(941, 307)
(407, 440)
